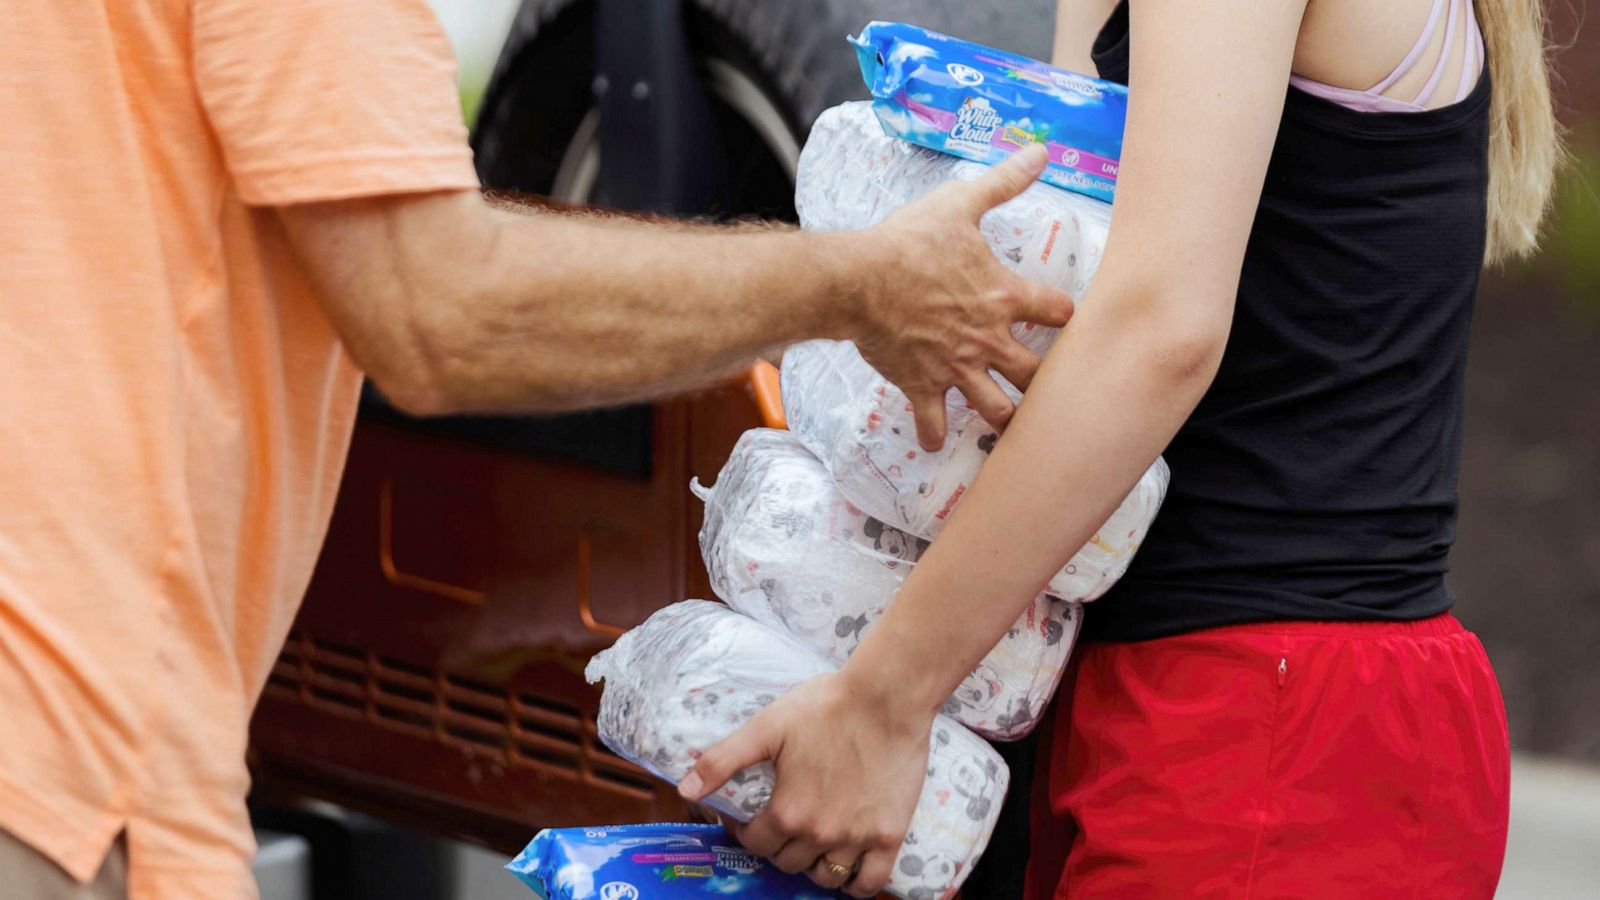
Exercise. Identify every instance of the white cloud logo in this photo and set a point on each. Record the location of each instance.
(966, 75)
(618, 890)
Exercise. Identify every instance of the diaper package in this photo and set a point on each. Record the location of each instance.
(694, 672)
(809, 534)
(863, 429)
(983, 104)
(858, 423)
(783, 546)
(852, 175)
(652, 862)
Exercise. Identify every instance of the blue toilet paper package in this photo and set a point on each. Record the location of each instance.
(652, 862)
(982, 104)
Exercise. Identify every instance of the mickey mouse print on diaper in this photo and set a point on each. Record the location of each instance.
(694, 672)
(867, 442)
(860, 425)
(783, 546)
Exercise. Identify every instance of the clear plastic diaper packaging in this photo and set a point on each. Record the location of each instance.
(863, 430)
(858, 423)
(783, 546)
(852, 175)
(694, 672)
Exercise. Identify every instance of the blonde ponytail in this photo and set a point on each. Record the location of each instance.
(1525, 147)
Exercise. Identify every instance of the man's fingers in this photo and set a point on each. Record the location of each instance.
(985, 396)
(1043, 305)
(745, 747)
(929, 410)
(1007, 179)
(1017, 363)
(872, 876)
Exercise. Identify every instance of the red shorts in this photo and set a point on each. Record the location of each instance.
(1300, 760)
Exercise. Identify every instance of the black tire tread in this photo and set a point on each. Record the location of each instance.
(800, 43)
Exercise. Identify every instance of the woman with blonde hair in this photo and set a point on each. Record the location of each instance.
(1276, 700)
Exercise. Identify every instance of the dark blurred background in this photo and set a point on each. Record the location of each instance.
(1527, 563)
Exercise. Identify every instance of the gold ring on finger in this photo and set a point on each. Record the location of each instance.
(836, 869)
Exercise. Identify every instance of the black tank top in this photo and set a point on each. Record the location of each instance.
(1317, 477)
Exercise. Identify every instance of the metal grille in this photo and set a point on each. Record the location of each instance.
(522, 731)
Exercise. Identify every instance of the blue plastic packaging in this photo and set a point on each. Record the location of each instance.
(652, 862)
(983, 104)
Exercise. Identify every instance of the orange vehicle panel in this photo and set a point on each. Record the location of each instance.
(435, 672)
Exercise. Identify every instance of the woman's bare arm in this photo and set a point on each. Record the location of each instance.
(1206, 94)
(1077, 23)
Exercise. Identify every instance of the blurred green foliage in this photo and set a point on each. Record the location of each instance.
(471, 100)
(1574, 244)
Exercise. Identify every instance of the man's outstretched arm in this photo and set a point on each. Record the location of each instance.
(451, 305)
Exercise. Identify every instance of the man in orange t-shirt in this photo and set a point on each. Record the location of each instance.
(218, 212)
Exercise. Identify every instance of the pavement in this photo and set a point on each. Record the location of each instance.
(1554, 849)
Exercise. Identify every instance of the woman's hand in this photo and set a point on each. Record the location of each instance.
(850, 769)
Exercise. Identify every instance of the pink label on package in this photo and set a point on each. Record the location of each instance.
(670, 859)
(1080, 160)
(1010, 137)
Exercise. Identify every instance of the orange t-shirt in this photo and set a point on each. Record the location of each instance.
(174, 407)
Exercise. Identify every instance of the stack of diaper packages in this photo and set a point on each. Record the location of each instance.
(859, 425)
(810, 533)
(696, 671)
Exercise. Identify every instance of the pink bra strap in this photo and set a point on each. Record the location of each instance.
(1471, 57)
(1416, 50)
(1374, 100)
(1426, 94)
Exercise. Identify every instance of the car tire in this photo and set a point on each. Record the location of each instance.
(540, 92)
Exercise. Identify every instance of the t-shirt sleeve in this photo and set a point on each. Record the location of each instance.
(330, 99)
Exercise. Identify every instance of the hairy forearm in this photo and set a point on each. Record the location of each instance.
(1109, 397)
(520, 204)
(453, 304)
(585, 311)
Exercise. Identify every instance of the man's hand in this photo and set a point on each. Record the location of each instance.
(942, 313)
(452, 306)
